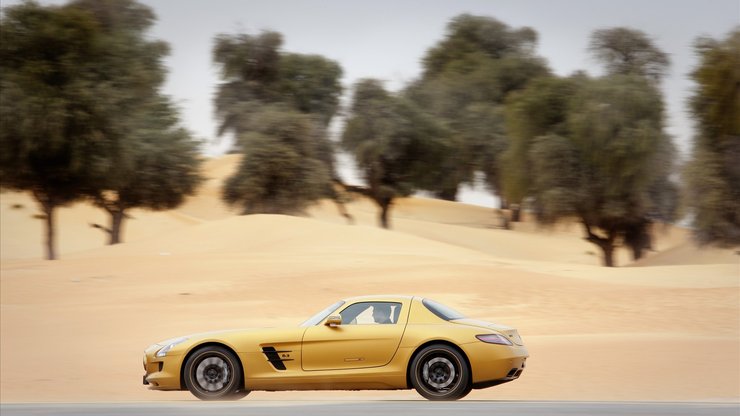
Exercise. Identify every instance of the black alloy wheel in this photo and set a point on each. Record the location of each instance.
(440, 372)
(214, 373)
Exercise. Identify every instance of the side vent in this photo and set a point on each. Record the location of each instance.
(277, 357)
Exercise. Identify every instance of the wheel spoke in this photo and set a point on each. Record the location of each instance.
(439, 374)
(212, 374)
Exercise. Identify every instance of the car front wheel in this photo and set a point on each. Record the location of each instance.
(214, 373)
(440, 372)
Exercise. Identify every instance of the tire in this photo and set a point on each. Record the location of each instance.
(238, 395)
(440, 372)
(214, 373)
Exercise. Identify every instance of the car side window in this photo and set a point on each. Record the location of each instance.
(371, 313)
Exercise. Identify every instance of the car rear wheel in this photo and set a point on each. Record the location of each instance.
(214, 373)
(440, 372)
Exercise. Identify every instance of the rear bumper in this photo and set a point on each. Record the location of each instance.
(493, 364)
(512, 375)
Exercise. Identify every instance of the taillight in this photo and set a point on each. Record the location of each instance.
(494, 339)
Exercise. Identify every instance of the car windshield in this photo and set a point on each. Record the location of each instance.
(444, 312)
(323, 314)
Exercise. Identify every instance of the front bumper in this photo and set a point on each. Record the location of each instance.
(161, 373)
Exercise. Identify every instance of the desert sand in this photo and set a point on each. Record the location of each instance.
(664, 328)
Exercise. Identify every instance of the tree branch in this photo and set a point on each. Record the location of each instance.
(101, 227)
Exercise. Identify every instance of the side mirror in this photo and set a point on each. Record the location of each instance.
(333, 321)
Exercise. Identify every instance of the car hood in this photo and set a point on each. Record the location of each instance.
(210, 334)
(243, 340)
(510, 333)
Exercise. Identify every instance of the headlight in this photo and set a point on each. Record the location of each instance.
(168, 345)
(494, 339)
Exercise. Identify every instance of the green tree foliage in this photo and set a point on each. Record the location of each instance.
(606, 162)
(625, 51)
(713, 173)
(51, 123)
(150, 160)
(310, 83)
(540, 109)
(484, 136)
(255, 72)
(282, 170)
(469, 35)
(278, 106)
(249, 70)
(393, 144)
(467, 76)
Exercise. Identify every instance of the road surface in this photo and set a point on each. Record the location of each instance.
(387, 408)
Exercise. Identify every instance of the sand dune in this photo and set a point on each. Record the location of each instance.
(276, 235)
(22, 232)
(666, 332)
(689, 253)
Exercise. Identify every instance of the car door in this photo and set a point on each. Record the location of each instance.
(364, 339)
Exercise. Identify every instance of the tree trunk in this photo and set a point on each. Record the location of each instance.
(343, 211)
(49, 214)
(337, 192)
(516, 212)
(639, 239)
(608, 250)
(503, 219)
(449, 194)
(605, 243)
(116, 225)
(385, 206)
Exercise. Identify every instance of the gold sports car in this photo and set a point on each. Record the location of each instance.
(363, 343)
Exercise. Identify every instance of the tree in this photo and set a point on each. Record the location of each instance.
(154, 167)
(543, 108)
(49, 105)
(278, 106)
(625, 51)
(713, 174)
(628, 51)
(150, 161)
(604, 166)
(392, 142)
(479, 62)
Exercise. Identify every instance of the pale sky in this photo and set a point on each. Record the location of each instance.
(386, 39)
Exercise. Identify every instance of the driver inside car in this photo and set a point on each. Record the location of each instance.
(382, 314)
